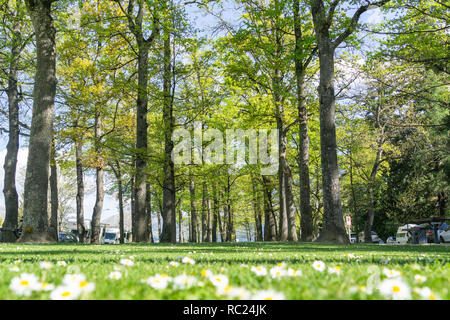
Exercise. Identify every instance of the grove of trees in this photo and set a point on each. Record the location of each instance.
(357, 90)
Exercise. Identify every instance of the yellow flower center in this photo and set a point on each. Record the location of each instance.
(395, 289)
(65, 294)
(83, 284)
(24, 283)
(268, 298)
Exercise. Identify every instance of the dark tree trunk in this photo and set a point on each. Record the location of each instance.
(133, 209)
(303, 154)
(204, 213)
(333, 229)
(193, 211)
(80, 192)
(99, 183)
(180, 226)
(257, 210)
(35, 217)
(53, 223)
(148, 206)
(169, 232)
(141, 143)
(10, 226)
(118, 173)
(270, 232)
(215, 214)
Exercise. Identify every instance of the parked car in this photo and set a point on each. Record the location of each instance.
(403, 235)
(375, 237)
(391, 240)
(445, 236)
(68, 238)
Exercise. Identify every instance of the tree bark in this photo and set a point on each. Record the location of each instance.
(303, 154)
(99, 183)
(257, 211)
(333, 228)
(141, 143)
(193, 211)
(53, 223)
(270, 232)
(35, 218)
(10, 225)
(148, 206)
(215, 214)
(80, 192)
(204, 212)
(169, 233)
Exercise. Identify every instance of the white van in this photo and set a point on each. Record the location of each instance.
(403, 234)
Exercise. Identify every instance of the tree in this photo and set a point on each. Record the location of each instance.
(333, 229)
(35, 220)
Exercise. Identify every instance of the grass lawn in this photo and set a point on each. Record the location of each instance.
(294, 271)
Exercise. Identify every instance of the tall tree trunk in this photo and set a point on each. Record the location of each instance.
(204, 212)
(148, 206)
(270, 232)
(257, 211)
(118, 173)
(80, 192)
(35, 217)
(333, 228)
(169, 233)
(371, 187)
(215, 214)
(141, 143)
(133, 208)
(53, 223)
(193, 211)
(99, 183)
(10, 226)
(303, 154)
(180, 226)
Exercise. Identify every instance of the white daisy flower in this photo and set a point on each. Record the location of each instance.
(115, 275)
(117, 268)
(65, 293)
(319, 265)
(219, 280)
(79, 281)
(126, 262)
(61, 263)
(24, 284)
(17, 261)
(426, 294)
(259, 271)
(206, 273)
(45, 265)
(184, 282)
(174, 264)
(45, 286)
(239, 293)
(281, 265)
(334, 270)
(419, 278)
(14, 269)
(223, 269)
(395, 288)
(277, 272)
(268, 295)
(187, 260)
(391, 273)
(349, 255)
(294, 273)
(158, 281)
